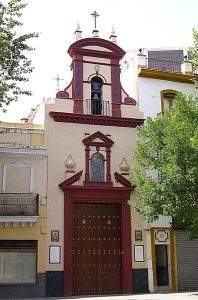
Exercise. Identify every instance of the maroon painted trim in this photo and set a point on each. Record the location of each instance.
(115, 84)
(97, 75)
(121, 179)
(87, 154)
(95, 120)
(89, 140)
(130, 101)
(104, 83)
(77, 85)
(108, 159)
(77, 48)
(97, 63)
(100, 54)
(67, 244)
(78, 106)
(116, 97)
(71, 180)
(127, 249)
(116, 110)
(98, 184)
(97, 194)
(64, 94)
(123, 90)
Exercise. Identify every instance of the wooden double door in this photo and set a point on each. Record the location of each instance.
(96, 250)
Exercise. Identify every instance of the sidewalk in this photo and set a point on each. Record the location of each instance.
(167, 296)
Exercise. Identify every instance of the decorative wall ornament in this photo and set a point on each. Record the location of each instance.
(130, 101)
(87, 133)
(70, 164)
(138, 235)
(54, 235)
(96, 68)
(161, 236)
(62, 95)
(124, 167)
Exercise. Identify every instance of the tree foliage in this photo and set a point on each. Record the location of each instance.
(14, 62)
(167, 146)
(194, 49)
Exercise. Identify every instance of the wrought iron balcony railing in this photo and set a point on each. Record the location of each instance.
(21, 204)
(97, 107)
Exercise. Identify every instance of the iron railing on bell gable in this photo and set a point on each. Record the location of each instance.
(97, 107)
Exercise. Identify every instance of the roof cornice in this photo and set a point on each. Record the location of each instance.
(95, 120)
(169, 76)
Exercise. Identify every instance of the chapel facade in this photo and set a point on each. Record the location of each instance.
(90, 137)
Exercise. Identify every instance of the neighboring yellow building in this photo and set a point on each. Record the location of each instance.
(23, 191)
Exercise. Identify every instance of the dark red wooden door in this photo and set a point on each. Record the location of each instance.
(96, 266)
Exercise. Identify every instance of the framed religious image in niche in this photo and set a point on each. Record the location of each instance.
(138, 253)
(54, 235)
(138, 235)
(54, 254)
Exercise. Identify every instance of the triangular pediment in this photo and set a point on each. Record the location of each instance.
(71, 180)
(98, 138)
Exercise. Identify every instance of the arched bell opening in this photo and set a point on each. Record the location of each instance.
(96, 96)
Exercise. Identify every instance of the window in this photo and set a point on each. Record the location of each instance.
(167, 98)
(97, 167)
(96, 95)
(17, 262)
(17, 178)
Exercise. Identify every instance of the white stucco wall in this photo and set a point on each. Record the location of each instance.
(149, 93)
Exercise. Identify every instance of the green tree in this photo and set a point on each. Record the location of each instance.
(14, 62)
(194, 49)
(167, 150)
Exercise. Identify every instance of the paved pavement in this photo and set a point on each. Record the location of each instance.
(165, 296)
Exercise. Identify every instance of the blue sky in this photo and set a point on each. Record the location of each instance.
(138, 23)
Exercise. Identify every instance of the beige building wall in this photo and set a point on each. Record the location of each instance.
(64, 139)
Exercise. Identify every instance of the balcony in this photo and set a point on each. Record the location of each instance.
(18, 209)
(97, 107)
